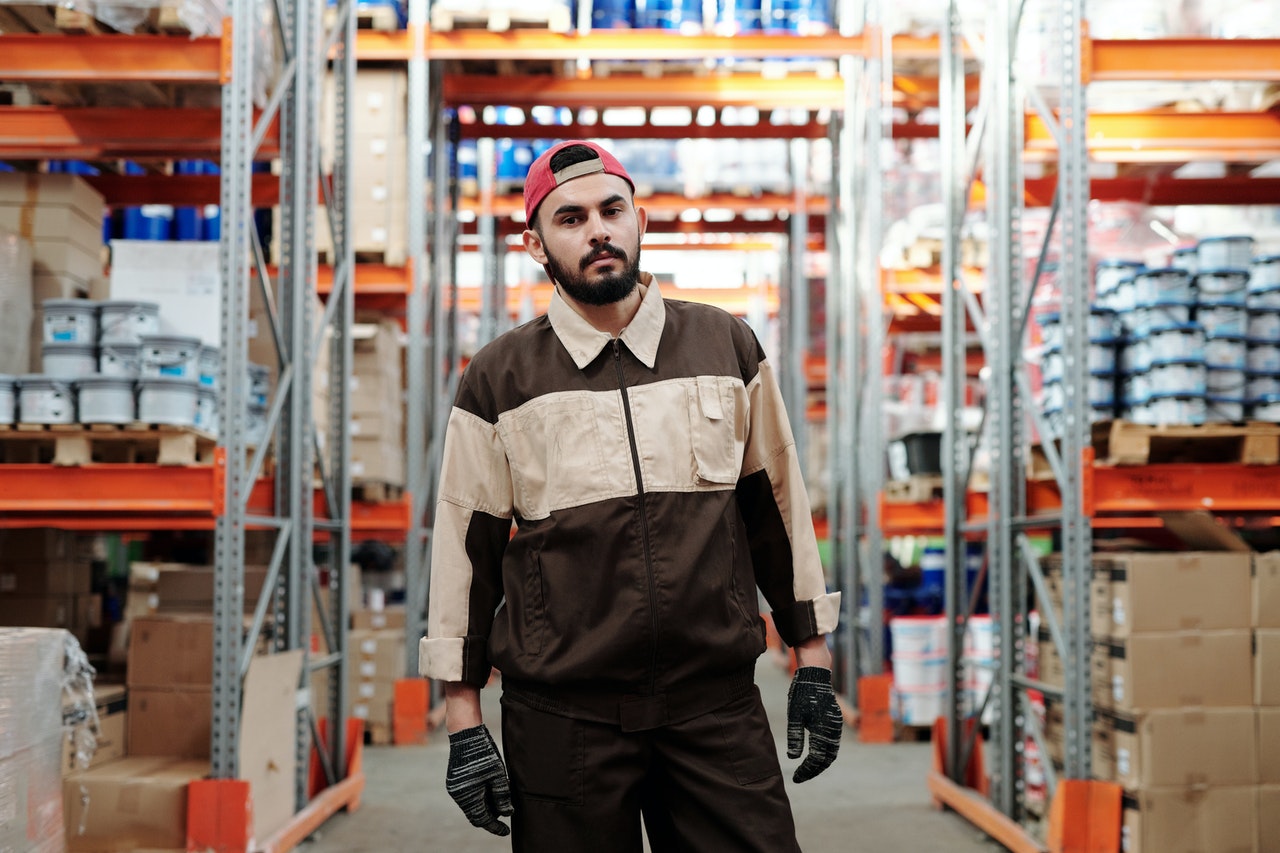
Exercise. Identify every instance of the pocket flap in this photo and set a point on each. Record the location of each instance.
(709, 398)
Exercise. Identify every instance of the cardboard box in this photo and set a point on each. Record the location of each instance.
(183, 277)
(171, 651)
(1268, 746)
(130, 804)
(377, 460)
(377, 620)
(1214, 669)
(112, 704)
(1052, 671)
(385, 426)
(173, 722)
(74, 613)
(44, 545)
(1266, 667)
(1102, 760)
(1183, 747)
(190, 588)
(1266, 590)
(1179, 591)
(31, 191)
(1268, 818)
(1191, 820)
(57, 577)
(59, 222)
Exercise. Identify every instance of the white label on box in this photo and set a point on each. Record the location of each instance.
(367, 690)
(377, 146)
(1117, 611)
(360, 712)
(378, 192)
(1122, 762)
(357, 469)
(379, 620)
(378, 235)
(355, 427)
(1126, 840)
(368, 669)
(374, 100)
(1117, 688)
(369, 647)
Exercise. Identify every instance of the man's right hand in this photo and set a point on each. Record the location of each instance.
(477, 779)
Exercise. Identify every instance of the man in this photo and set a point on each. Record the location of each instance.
(641, 447)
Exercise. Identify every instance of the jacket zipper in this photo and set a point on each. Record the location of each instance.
(644, 516)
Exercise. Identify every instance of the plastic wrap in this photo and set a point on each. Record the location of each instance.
(32, 676)
(15, 303)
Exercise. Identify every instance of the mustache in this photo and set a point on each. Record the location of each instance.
(608, 250)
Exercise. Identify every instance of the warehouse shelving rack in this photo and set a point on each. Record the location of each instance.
(1081, 496)
(233, 494)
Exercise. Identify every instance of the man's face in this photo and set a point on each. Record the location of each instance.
(588, 235)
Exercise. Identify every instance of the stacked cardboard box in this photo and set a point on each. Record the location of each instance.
(61, 217)
(31, 670)
(46, 581)
(16, 305)
(377, 405)
(1266, 621)
(170, 679)
(376, 662)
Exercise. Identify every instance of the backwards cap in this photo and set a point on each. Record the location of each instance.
(541, 180)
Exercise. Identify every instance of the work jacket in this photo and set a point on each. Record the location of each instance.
(654, 486)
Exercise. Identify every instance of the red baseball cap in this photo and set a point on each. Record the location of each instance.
(541, 180)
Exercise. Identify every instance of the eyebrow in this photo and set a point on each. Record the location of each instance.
(578, 208)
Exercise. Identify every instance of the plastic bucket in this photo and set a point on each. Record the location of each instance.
(120, 360)
(683, 15)
(170, 357)
(207, 410)
(1109, 272)
(124, 322)
(1264, 273)
(1135, 356)
(980, 638)
(8, 399)
(1259, 385)
(1124, 297)
(1218, 253)
(920, 706)
(1222, 286)
(1222, 319)
(166, 400)
(1102, 389)
(210, 362)
(1224, 409)
(1263, 357)
(1143, 318)
(1177, 379)
(1184, 258)
(918, 635)
(255, 428)
(1164, 287)
(1225, 382)
(46, 400)
(919, 671)
(1176, 343)
(1103, 326)
(1226, 352)
(259, 384)
(70, 321)
(1262, 300)
(1051, 333)
(739, 16)
(1266, 408)
(1135, 389)
(610, 14)
(107, 400)
(68, 361)
(1172, 409)
(1264, 325)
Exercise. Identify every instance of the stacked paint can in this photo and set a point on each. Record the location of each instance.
(919, 659)
(1104, 341)
(1262, 304)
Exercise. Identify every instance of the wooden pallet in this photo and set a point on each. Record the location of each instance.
(1127, 443)
(78, 444)
(378, 734)
(903, 733)
(375, 492)
(920, 488)
(392, 256)
(541, 14)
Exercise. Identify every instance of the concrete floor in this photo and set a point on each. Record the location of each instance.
(872, 800)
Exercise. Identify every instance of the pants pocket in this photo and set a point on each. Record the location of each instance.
(546, 754)
(748, 744)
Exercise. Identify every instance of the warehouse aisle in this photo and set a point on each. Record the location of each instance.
(872, 800)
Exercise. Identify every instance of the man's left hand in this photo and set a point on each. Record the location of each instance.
(811, 706)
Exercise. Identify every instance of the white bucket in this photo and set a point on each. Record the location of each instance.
(46, 400)
(1266, 408)
(8, 399)
(255, 428)
(917, 671)
(165, 400)
(1224, 409)
(207, 410)
(920, 707)
(209, 364)
(1264, 325)
(1102, 389)
(1264, 273)
(1135, 357)
(1264, 357)
(120, 360)
(980, 637)
(1263, 300)
(259, 384)
(1173, 409)
(1218, 253)
(1222, 286)
(68, 361)
(1164, 287)
(1226, 352)
(1101, 357)
(1143, 318)
(1259, 385)
(171, 357)
(1176, 379)
(1222, 382)
(1103, 326)
(1053, 396)
(1050, 323)
(107, 400)
(1123, 297)
(1134, 390)
(1184, 258)
(1051, 365)
(918, 635)
(125, 322)
(1109, 272)
(70, 321)
(1176, 343)
(1222, 319)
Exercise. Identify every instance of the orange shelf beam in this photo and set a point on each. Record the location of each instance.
(177, 190)
(1182, 487)
(1183, 59)
(386, 521)
(1156, 137)
(96, 133)
(35, 58)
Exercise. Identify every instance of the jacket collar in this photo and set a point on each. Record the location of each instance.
(584, 342)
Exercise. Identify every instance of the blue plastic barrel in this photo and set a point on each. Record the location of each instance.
(669, 14)
(739, 15)
(188, 221)
(613, 14)
(798, 17)
(211, 224)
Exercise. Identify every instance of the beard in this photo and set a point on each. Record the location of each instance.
(607, 290)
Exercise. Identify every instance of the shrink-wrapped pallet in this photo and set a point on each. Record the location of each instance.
(15, 303)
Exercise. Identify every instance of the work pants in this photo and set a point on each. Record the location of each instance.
(711, 784)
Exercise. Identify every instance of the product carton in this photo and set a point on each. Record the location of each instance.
(1269, 746)
(1266, 667)
(177, 722)
(1178, 591)
(171, 651)
(130, 804)
(1184, 747)
(55, 577)
(1268, 818)
(1266, 590)
(378, 460)
(75, 613)
(190, 588)
(1214, 669)
(377, 620)
(1191, 820)
(183, 276)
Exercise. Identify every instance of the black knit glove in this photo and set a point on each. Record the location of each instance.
(477, 779)
(811, 704)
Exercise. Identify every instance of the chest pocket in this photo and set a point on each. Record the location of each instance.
(713, 430)
(554, 450)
